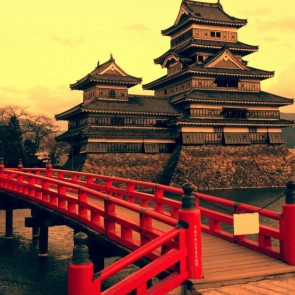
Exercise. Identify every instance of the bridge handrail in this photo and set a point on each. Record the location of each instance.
(164, 262)
(13, 183)
(172, 257)
(235, 206)
(125, 189)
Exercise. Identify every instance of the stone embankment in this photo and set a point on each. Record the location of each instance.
(208, 167)
(221, 167)
(148, 167)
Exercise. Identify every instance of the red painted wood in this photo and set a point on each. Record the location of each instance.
(92, 199)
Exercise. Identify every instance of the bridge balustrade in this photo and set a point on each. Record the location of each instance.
(99, 211)
(269, 240)
(95, 199)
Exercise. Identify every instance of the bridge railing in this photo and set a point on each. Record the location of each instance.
(269, 240)
(144, 235)
(139, 281)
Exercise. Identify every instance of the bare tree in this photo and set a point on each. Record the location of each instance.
(38, 127)
(12, 111)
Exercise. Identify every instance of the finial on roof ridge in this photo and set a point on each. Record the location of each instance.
(112, 58)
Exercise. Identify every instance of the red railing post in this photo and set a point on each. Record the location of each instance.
(20, 165)
(48, 169)
(289, 224)
(145, 223)
(1, 172)
(130, 190)
(82, 197)
(108, 186)
(80, 270)
(189, 217)
(159, 194)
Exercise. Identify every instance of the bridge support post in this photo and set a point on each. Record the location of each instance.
(9, 223)
(35, 228)
(96, 254)
(80, 270)
(189, 216)
(289, 224)
(43, 238)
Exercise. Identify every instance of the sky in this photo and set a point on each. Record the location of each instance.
(47, 45)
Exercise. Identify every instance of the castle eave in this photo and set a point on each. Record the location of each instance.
(248, 123)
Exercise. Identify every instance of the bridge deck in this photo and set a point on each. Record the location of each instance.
(226, 263)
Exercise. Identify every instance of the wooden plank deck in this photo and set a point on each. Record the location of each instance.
(225, 263)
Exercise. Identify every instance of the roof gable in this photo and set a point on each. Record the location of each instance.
(225, 60)
(170, 59)
(182, 14)
(108, 72)
(204, 13)
(110, 67)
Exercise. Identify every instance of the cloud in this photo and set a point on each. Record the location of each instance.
(138, 27)
(51, 101)
(70, 42)
(284, 85)
(287, 24)
(257, 12)
(9, 89)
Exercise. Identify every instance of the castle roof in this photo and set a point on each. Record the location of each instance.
(199, 70)
(234, 122)
(203, 13)
(135, 105)
(119, 132)
(236, 47)
(231, 97)
(106, 73)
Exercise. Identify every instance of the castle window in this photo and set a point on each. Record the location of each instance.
(233, 113)
(117, 121)
(226, 83)
(112, 94)
(200, 58)
(215, 35)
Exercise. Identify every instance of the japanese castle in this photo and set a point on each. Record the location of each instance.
(209, 95)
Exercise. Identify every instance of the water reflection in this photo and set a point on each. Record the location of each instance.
(255, 197)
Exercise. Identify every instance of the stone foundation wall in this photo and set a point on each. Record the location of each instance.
(221, 167)
(208, 167)
(147, 167)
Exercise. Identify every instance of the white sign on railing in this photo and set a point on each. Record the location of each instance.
(246, 223)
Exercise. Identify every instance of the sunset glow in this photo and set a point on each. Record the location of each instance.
(47, 45)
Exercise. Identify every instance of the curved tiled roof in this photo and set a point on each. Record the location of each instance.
(203, 12)
(101, 75)
(121, 132)
(131, 132)
(240, 47)
(215, 72)
(212, 96)
(136, 104)
(234, 122)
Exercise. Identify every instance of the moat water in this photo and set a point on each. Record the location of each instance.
(22, 272)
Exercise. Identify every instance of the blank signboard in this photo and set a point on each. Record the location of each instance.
(246, 224)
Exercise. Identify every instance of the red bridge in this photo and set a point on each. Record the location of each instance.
(161, 234)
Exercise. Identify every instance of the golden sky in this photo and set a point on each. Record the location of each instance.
(47, 45)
